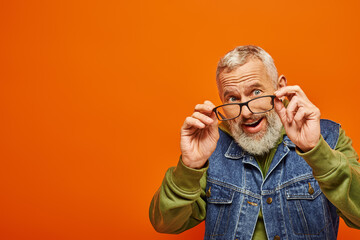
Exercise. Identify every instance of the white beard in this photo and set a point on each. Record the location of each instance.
(261, 142)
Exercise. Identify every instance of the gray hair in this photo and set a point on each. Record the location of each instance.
(241, 55)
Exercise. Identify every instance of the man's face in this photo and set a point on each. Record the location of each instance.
(253, 132)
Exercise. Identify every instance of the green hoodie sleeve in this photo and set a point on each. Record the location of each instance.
(338, 174)
(179, 203)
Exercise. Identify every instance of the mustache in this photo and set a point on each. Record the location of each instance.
(242, 120)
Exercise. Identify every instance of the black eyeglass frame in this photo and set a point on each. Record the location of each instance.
(244, 104)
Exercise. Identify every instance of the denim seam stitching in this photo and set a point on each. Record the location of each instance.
(303, 218)
(304, 177)
(301, 234)
(272, 169)
(237, 189)
(235, 155)
(217, 224)
(282, 212)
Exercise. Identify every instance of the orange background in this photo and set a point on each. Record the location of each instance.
(93, 95)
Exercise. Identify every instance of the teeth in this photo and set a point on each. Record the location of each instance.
(249, 124)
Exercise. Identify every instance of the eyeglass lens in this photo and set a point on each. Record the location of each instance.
(258, 105)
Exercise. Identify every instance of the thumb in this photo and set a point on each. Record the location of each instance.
(215, 124)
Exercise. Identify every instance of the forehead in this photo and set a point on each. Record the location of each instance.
(251, 72)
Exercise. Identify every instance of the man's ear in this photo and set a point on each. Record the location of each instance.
(282, 82)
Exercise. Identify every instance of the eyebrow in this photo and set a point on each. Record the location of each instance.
(228, 92)
(251, 85)
(256, 84)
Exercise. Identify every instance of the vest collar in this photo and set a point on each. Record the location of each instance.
(234, 151)
(288, 142)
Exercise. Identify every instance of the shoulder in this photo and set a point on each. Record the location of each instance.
(330, 131)
(329, 124)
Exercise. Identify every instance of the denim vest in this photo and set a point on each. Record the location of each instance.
(292, 203)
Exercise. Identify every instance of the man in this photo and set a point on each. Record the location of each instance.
(271, 170)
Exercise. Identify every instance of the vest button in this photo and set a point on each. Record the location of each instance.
(269, 200)
(277, 237)
(208, 193)
(311, 189)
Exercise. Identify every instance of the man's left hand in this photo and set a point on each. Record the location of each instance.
(301, 118)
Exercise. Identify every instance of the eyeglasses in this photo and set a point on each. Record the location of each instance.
(257, 105)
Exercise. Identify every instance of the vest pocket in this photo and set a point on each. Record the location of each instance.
(219, 200)
(306, 208)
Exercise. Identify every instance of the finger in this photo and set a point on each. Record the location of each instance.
(290, 91)
(191, 122)
(204, 108)
(299, 117)
(214, 118)
(209, 103)
(215, 124)
(280, 110)
(203, 118)
(212, 115)
(207, 120)
(292, 108)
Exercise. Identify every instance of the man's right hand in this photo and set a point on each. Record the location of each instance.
(199, 136)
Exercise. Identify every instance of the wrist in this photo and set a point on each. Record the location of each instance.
(194, 164)
(304, 149)
(309, 145)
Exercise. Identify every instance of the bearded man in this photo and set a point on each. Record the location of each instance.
(272, 169)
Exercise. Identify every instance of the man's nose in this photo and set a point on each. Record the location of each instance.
(245, 113)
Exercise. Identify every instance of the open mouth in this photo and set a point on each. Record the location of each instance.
(254, 127)
(253, 124)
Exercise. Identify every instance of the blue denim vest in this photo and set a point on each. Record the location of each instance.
(291, 200)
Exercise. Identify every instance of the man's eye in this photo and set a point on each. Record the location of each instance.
(257, 92)
(232, 99)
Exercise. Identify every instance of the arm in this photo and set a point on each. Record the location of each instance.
(337, 171)
(338, 174)
(179, 203)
